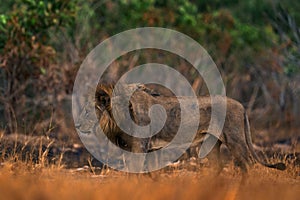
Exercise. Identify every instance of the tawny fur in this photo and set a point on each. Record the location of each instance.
(235, 134)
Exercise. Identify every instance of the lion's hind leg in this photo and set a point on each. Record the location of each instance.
(242, 156)
(238, 148)
(213, 155)
(214, 158)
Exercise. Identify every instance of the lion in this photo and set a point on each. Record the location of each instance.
(101, 103)
(235, 134)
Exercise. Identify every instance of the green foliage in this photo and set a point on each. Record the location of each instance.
(292, 7)
(287, 27)
(26, 55)
(6, 6)
(34, 17)
(236, 33)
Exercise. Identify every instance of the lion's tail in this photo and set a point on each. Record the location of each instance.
(280, 165)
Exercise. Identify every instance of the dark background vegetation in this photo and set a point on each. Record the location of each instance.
(255, 44)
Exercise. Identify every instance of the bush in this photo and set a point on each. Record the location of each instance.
(27, 59)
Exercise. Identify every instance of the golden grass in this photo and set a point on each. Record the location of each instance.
(22, 181)
(25, 179)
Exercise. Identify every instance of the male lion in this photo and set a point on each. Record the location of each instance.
(235, 133)
(101, 102)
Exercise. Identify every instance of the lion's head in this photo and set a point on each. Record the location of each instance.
(101, 102)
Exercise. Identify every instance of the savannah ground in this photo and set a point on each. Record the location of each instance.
(21, 181)
(42, 178)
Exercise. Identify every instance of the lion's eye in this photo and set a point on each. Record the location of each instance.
(121, 142)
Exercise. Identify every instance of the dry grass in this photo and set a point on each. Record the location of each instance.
(39, 179)
(19, 180)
